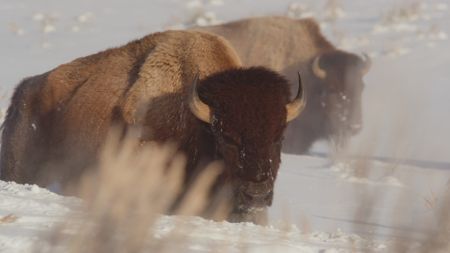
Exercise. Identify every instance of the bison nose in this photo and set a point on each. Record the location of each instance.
(257, 195)
(259, 191)
(262, 199)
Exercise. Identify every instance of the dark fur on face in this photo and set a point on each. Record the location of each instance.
(249, 117)
(340, 94)
(334, 109)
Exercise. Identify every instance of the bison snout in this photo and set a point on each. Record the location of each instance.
(258, 189)
(250, 201)
(256, 194)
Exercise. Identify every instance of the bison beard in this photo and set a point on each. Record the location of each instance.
(58, 121)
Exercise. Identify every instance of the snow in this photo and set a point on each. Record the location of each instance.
(405, 108)
(330, 195)
(318, 217)
(235, 237)
(37, 210)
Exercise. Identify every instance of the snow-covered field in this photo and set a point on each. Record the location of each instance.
(331, 206)
(318, 208)
(36, 210)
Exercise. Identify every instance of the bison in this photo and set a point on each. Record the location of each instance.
(333, 77)
(182, 86)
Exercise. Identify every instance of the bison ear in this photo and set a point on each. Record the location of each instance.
(296, 107)
(201, 110)
(367, 63)
(317, 70)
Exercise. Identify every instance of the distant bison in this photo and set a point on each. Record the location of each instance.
(58, 120)
(333, 77)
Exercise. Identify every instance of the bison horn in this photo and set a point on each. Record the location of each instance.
(319, 72)
(295, 107)
(367, 63)
(198, 108)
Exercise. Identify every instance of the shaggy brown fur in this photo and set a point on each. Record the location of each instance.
(290, 45)
(57, 121)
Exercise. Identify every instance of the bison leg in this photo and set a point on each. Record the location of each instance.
(19, 151)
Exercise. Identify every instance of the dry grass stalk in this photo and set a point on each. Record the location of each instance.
(126, 194)
(436, 235)
(10, 218)
(438, 241)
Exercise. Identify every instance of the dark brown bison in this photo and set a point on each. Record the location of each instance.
(57, 121)
(333, 78)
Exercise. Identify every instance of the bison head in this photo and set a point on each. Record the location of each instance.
(246, 111)
(340, 85)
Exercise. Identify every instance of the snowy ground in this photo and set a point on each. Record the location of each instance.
(320, 216)
(27, 214)
(406, 115)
